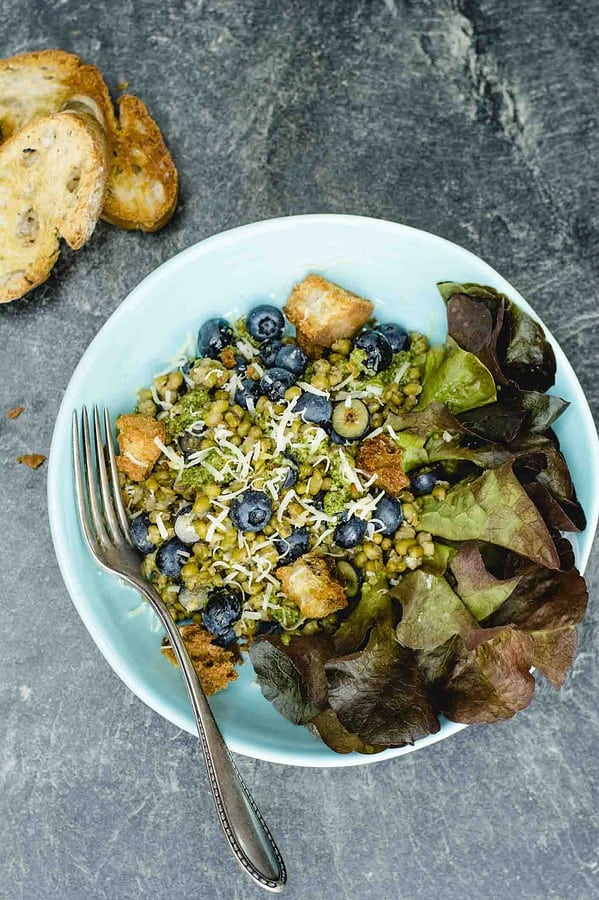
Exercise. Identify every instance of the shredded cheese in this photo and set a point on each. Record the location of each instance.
(177, 460)
(323, 536)
(286, 500)
(349, 472)
(134, 459)
(401, 371)
(216, 524)
(161, 527)
(317, 439)
(163, 404)
(246, 349)
(392, 432)
(305, 386)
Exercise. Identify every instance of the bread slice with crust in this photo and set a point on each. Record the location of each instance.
(52, 181)
(143, 183)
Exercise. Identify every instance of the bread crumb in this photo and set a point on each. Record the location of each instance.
(215, 665)
(139, 453)
(382, 457)
(227, 357)
(122, 86)
(15, 412)
(33, 460)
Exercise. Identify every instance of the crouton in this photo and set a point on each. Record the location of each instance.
(136, 435)
(324, 312)
(312, 350)
(380, 456)
(309, 582)
(215, 665)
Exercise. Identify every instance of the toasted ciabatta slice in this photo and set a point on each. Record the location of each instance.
(323, 312)
(143, 184)
(52, 182)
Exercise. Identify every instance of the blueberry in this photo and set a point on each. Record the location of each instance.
(184, 528)
(389, 514)
(292, 357)
(222, 609)
(314, 408)
(188, 366)
(264, 322)
(377, 347)
(189, 443)
(241, 363)
(226, 638)
(138, 529)
(338, 439)
(268, 352)
(293, 546)
(396, 335)
(423, 482)
(171, 557)
(213, 336)
(269, 628)
(351, 423)
(349, 532)
(291, 476)
(318, 501)
(275, 382)
(248, 389)
(251, 511)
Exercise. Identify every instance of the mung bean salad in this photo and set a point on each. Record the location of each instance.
(280, 484)
(249, 429)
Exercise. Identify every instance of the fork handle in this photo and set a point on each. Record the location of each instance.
(245, 829)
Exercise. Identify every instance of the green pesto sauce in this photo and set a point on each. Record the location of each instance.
(196, 476)
(335, 501)
(187, 410)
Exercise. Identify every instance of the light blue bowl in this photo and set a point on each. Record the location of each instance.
(395, 266)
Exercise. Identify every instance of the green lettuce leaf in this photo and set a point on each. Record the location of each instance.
(487, 678)
(432, 612)
(373, 606)
(380, 694)
(480, 591)
(329, 729)
(456, 378)
(438, 562)
(426, 420)
(413, 454)
(494, 508)
(547, 605)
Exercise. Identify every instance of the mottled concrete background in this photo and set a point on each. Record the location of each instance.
(475, 119)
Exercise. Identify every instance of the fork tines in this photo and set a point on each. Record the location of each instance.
(101, 511)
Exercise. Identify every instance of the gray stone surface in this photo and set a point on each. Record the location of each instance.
(475, 119)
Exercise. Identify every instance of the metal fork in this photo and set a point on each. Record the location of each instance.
(106, 532)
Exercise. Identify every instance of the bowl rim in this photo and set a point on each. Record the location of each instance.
(136, 297)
